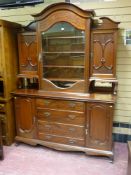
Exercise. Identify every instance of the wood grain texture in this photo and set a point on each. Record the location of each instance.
(119, 11)
(8, 71)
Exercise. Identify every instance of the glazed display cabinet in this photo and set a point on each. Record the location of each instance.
(71, 106)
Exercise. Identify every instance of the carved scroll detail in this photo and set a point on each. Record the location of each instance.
(103, 59)
(29, 65)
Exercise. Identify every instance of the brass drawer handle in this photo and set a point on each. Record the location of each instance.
(47, 102)
(71, 116)
(72, 141)
(1, 106)
(72, 105)
(72, 129)
(47, 114)
(48, 137)
(48, 126)
(3, 120)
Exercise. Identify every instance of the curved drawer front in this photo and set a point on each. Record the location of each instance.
(67, 117)
(60, 129)
(61, 140)
(60, 104)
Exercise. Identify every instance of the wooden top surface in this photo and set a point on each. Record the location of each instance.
(94, 97)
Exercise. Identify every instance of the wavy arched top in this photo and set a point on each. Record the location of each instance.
(66, 7)
(107, 23)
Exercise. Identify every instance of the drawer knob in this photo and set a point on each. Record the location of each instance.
(46, 114)
(72, 105)
(71, 116)
(72, 141)
(72, 129)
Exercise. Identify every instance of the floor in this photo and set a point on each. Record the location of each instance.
(28, 160)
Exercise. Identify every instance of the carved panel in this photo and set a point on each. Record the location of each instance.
(103, 55)
(27, 52)
(100, 124)
(24, 109)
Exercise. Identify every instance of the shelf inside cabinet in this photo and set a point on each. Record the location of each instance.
(65, 52)
(27, 76)
(57, 66)
(64, 37)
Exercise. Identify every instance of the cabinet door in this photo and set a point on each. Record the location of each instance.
(103, 54)
(63, 47)
(27, 53)
(25, 117)
(99, 126)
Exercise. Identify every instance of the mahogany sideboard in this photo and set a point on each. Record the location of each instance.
(67, 81)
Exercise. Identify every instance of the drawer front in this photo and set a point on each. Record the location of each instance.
(61, 130)
(3, 120)
(62, 140)
(2, 107)
(60, 104)
(67, 117)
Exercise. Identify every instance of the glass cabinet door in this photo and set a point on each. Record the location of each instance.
(63, 48)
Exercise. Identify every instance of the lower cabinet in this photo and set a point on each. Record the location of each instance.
(65, 124)
(99, 126)
(25, 117)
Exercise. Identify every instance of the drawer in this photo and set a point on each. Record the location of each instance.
(60, 104)
(60, 129)
(61, 140)
(67, 117)
(3, 118)
(2, 107)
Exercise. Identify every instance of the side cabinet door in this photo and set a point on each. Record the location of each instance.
(99, 126)
(25, 117)
(103, 51)
(27, 46)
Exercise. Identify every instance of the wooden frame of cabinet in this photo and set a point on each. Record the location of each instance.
(67, 114)
(8, 71)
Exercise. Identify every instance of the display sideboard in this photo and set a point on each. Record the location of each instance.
(67, 86)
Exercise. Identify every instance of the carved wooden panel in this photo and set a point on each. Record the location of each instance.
(99, 125)
(25, 116)
(103, 54)
(27, 52)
